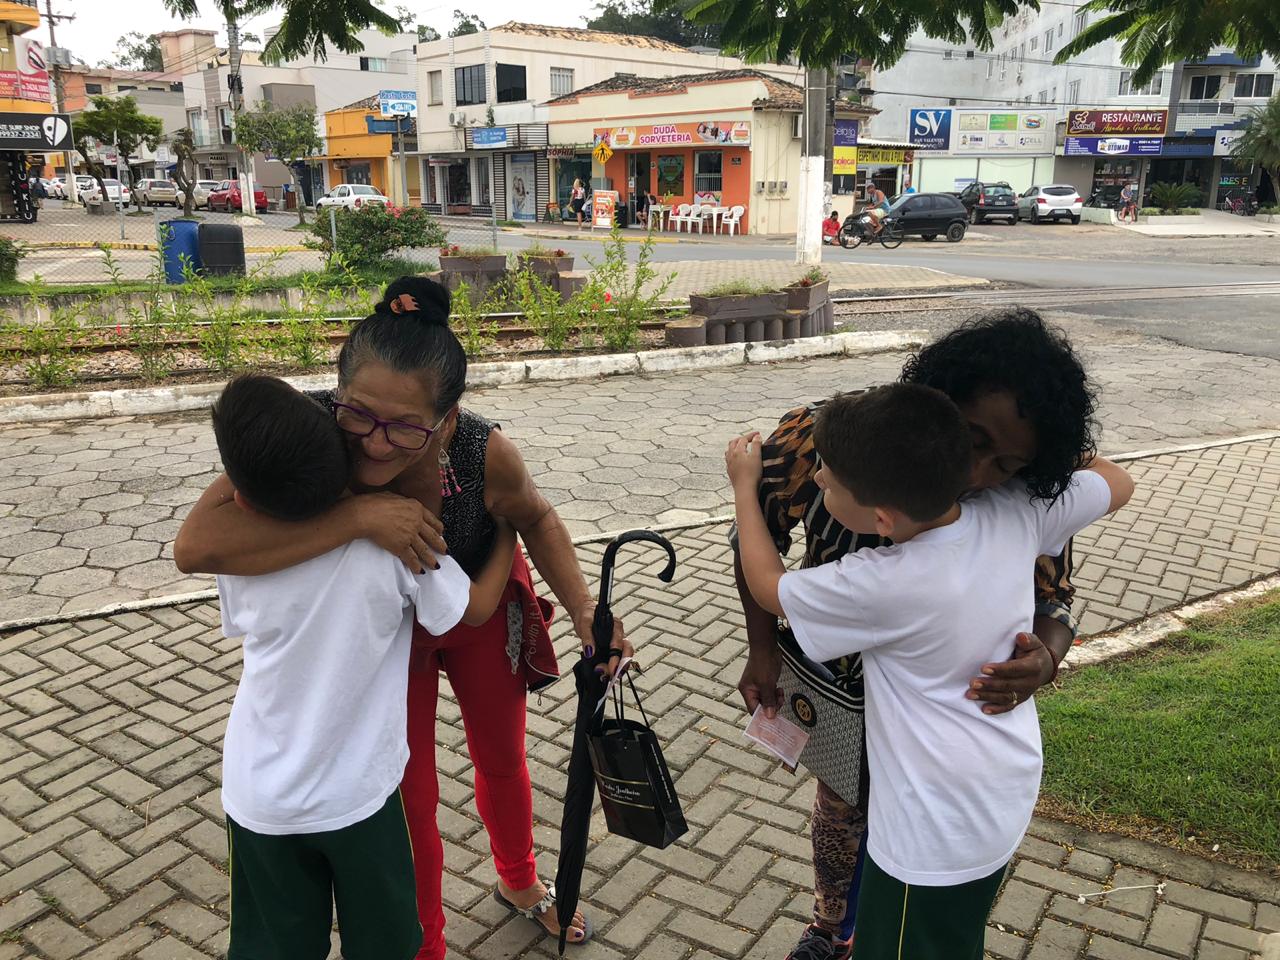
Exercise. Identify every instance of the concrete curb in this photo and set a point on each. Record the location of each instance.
(1147, 633)
(156, 400)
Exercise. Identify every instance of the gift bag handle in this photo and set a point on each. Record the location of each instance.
(614, 689)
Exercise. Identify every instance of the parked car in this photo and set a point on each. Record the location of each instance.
(152, 193)
(989, 201)
(1057, 201)
(929, 215)
(227, 197)
(117, 193)
(352, 195)
(200, 192)
(58, 188)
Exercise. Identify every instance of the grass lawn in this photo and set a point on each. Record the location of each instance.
(1179, 742)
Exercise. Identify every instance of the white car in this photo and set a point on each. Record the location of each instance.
(1056, 201)
(117, 193)
(352, 196)
(200, 193)
(58, 188)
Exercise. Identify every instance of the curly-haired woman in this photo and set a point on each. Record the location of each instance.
(1030, 407)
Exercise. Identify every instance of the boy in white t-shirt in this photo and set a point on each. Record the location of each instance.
(316, 743)
(952, 788)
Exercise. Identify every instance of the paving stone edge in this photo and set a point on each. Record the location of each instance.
(194, 396)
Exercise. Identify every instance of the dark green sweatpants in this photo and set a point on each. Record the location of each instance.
(284, 888)
(900, 921)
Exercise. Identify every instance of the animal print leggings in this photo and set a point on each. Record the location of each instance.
(837, 831)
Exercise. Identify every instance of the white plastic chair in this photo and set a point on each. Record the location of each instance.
(684, 214)
(732, 219)
(696, 215)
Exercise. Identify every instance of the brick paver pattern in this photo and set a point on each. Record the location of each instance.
(112, 843)
(88, 510)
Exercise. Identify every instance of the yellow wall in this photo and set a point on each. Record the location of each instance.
(349, 138)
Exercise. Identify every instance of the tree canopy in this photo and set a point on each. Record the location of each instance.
(1260, 141)
(465, 24)
(287, 134)
(136, 52)
(114, 120)
(640, 18)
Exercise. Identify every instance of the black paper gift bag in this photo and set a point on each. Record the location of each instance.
(636, 789)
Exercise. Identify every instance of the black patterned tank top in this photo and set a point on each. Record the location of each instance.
(469, 528)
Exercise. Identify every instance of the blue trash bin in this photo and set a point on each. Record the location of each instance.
(180, 241)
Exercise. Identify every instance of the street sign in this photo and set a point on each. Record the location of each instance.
(398, 102)
(602, 152)
(375, 125)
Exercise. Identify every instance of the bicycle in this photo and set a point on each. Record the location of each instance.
(855, 234)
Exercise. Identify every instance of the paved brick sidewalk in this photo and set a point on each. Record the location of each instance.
(87, 509)
(112, 843)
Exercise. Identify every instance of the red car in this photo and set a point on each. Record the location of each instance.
(227, 197)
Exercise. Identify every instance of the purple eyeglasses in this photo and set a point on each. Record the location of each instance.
(361, 423)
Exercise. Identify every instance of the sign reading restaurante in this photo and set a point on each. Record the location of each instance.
(1106, 123)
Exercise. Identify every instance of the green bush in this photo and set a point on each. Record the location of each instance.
(1172, 197)
(46, 347)
(11, 251)
(476, 330)
(543, 308)
(367, 235)
(622, 287)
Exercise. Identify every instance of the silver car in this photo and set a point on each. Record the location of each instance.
(1054, 201)
(152, 193)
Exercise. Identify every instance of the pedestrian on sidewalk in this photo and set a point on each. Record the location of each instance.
(429, 466)
(1129, 203)
(952, 788)
(1030, 409)
(315, 746)
(577, 200)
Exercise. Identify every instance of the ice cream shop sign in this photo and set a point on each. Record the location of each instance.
(725, 133)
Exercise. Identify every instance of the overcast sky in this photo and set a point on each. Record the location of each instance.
(91, 37)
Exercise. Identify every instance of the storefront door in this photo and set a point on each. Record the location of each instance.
(639, 182)
(1197, 171)
(567, 171)
(458, 187)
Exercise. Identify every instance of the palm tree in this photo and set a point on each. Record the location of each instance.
(308, 25)
(1260, 141)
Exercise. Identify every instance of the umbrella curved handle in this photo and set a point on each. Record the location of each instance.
(611, 555)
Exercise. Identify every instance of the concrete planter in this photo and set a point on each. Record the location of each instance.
(548, 266)
(730, 309)
(496, 263)
(1269, 217)
(1172, 219)
(801, 297)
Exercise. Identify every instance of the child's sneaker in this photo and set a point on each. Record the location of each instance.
(818, 944)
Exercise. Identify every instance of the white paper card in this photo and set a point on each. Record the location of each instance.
(779, 736)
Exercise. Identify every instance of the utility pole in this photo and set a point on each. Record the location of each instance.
(404, 175)
(59, 95)
(812, 161)
(235, 93)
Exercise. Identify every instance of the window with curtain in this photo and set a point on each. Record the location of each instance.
(1205, 87)
(708, 171)
(468, 85)
(1254, 84)
(1152, 88)
(511, 83)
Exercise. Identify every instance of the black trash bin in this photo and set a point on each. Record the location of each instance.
(222, 249)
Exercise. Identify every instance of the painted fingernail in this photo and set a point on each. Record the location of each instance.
(591, 651)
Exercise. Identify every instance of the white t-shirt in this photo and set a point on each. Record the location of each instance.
(952, 789)
(317, 735)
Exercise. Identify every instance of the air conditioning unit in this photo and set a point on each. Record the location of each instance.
(797, 126)
(458, 119)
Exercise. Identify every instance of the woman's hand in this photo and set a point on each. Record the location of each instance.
(743, 462)
(583, 618)
(401, 526)
(1006, 685)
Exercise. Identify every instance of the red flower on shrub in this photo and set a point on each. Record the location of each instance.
(119, 330)
(608, 297)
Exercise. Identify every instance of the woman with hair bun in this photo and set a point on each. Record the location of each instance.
(429, 473)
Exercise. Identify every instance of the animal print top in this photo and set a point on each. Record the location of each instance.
(789, 495)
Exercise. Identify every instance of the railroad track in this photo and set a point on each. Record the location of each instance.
(1055, 297)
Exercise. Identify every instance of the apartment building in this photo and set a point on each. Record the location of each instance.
(1176, 128)
(483, 115)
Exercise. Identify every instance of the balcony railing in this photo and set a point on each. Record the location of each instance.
(204, 138)
(27, 3)
(1204, 114)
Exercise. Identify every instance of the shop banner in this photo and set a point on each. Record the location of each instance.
(728, 133)
(1002, 131)
(521, 171)
(845, 147)
(488, 138)
(931, 129)
(31, 80)
(1111, 146)
(392, 103)
(889, 156)
(1224, 142)
(1104, 123)
(604, 203)
(33, 131)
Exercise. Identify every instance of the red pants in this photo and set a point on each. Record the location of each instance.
(492, 701)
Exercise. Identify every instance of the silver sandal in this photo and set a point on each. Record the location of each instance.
(535, 912)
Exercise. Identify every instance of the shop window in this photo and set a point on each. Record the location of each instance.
(1151, 89)
(93, 88)
(1205, 87)
(670, 176)
(1254, 84)
(468, 85)
(561, 81)
(511, 84)
(707, 171)
(844, 184)
(435, 87)
(481, 181)
(432, 194)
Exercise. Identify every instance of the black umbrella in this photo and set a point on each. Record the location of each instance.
(580, 790)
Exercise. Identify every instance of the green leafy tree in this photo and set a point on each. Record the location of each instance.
(308, 27)
(184, 172)
(114, 120)
(408, 21)
(640, 18)
(1260, 141)
(289, 135)
(136, 52)
(465, 24)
